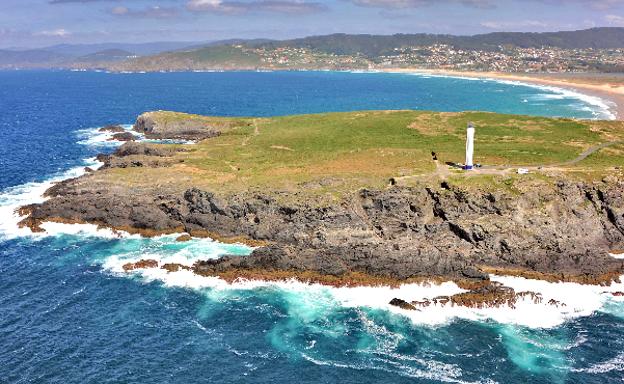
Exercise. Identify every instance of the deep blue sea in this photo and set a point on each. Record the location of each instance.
(69, 315)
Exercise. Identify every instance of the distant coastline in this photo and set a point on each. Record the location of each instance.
(585, 83)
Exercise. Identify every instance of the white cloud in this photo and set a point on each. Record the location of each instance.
(615, 20)
(274, 6)
(605, 4)
(388, 4)
(54, 33)
(514, 24)
(155, 12)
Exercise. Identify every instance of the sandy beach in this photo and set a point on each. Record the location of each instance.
(606, 87)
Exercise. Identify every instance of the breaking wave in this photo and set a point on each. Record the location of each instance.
(598, 107)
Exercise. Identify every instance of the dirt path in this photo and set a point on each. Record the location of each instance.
(256, 132)
(585, 154)
(589, 152)
(443, 171)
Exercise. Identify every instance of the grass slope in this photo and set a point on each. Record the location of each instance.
(336, 153)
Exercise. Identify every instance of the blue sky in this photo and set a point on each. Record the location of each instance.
(33, 23)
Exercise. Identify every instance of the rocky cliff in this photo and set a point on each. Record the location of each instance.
(562, 230)
(267, 183)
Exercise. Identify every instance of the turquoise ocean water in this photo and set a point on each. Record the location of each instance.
(69, 315)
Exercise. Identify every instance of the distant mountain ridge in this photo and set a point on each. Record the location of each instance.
(141, 49)
(345, 51)
(107, 55)
(30, 58)
(353, 51)
(376, 45)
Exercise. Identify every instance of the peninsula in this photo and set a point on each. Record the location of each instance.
(358, 199)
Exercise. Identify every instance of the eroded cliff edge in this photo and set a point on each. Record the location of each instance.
(550, 228)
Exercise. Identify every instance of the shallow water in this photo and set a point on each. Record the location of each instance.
(69, 315)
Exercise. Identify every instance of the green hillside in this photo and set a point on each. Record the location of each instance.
(338, 153)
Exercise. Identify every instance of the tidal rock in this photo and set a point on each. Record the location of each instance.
(173, 267)
(183, 238)
(124, 136)
(141, 264)
(112, 128)
(402, 304)
(474, 273)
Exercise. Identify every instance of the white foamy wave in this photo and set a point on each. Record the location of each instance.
(600, 108)
(579, 300)
(614, 364)
(547, 96)
(430, 369)
(83, 230)
(93, 137)
(437, 75)
(618, 255)
(166, 250)
(31, 193)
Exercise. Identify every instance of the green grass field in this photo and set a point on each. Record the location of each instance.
(336, 153)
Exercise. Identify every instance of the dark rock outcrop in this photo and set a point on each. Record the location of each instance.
(164, 125)
(123, 136)
(141, 264)
(487, 294)
(402, 304)
(112, 128)
(130, 149)
(135, 154)
(564, 231)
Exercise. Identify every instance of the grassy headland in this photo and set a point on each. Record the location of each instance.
(336, 153)
(336, 196)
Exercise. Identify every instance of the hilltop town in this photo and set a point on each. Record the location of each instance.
(587, 51)
(436, 56)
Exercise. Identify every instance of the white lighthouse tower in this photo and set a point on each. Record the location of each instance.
(470, 134)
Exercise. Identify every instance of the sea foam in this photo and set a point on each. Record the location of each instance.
(580, 300)
(614, 364)
(11, 199)
(94, 138)
(599, 107)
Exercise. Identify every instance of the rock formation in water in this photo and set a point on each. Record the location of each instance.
(112, 129)
(123, 136)
(155, 127)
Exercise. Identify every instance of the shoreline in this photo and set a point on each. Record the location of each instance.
(200, 197)
(611, 93)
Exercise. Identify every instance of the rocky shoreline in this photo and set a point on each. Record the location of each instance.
(557, 232)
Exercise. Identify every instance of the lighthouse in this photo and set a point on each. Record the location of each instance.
(470, 134)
